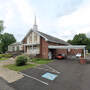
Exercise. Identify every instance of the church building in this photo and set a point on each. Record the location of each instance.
(43, 45)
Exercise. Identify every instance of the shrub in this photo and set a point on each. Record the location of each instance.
(21, 60)
(5, 55)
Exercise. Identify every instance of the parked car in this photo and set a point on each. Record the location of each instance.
(78, 55)
(60, 56)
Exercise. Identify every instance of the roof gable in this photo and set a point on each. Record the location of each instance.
(47, 37)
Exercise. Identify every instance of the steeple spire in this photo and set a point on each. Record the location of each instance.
(35, 21)
(35, 27)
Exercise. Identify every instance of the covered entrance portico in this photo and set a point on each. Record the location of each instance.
(67, 50)
(32, 49)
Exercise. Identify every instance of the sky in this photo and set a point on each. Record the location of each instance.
(59, 18)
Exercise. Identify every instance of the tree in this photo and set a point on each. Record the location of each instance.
(6, 40)
(69, 41)
(1, 26)
(80, 39)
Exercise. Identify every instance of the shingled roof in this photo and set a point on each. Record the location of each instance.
(48, 37)
(16, 43)
(53, 39)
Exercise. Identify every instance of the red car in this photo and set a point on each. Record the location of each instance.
(60, 56)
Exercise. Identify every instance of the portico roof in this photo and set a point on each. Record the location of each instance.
(31, 44)
(67, 47)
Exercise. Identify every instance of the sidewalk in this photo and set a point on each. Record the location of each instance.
(9, 75)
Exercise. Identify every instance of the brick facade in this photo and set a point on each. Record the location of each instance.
(61, 51)
(71, 52)
(75, 51)
(43, 48)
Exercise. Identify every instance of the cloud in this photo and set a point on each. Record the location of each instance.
(18, 16)
(73, 17)
(26, 11)
(77, 22)
(66, 7)
(6, 13)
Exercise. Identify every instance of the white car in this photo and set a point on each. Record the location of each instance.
(78, 55)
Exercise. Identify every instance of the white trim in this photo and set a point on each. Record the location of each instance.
(84, 53)
(31, 44)
(35, 32)
(26, 35)
(40, 34)
(67, 47)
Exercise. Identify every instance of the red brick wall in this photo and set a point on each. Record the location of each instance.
(65, 51)
(24, 42)
(57, 51)
(43, 48)
(61, 51)
(75, 51)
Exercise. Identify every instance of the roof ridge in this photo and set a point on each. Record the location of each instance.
(53, 37)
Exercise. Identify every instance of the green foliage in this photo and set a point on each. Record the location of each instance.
(21, 60)
(1, 26)
(1, 59)
(69, 41)
(81, 39)
(20, 68)
(41, 61)
(6, 39)
(5, 55)
(88, 48)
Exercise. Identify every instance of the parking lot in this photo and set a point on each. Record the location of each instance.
(72, 76)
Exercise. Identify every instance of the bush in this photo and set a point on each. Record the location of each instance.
(21, 60)
(5, 55)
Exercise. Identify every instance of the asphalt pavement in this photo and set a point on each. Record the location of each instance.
(72, 76)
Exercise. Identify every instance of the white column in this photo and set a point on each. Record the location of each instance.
(24, 48)
(32, 49)
(84, 53)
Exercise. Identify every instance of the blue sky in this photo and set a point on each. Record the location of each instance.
(60, 18)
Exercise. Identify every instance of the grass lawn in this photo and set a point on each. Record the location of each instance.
(4, 58)
(35, 60)
(19, 68)
(41, 61)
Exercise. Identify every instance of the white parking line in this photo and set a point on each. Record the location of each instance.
(52, 69)
(47, 70)
(34, 78)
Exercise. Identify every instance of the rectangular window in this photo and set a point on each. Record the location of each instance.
(30, 38)
(35, 37)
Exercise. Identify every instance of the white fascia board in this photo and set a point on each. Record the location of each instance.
(26, 35)
(40, 35)
(67, 47)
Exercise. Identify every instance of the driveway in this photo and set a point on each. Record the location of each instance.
(72, 76)
(4, 85)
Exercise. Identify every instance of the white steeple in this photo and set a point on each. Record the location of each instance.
(35, 27)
